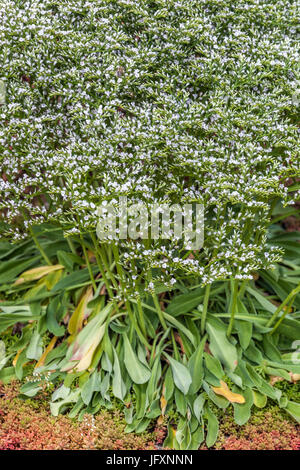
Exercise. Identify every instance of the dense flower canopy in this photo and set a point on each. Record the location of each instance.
(160, 101)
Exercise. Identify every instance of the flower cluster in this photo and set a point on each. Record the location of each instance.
(162, 102)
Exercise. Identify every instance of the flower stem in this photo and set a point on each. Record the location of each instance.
(233, 308)
(39, 247)
(88, 263)
(287, 310)
(71, 245)
(291, 295)
(205, 305)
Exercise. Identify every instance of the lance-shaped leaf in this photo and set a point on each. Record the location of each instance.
(195, 366)
(225, 392)
(293, 409)
(46, 352)
(219, 344)
(139, 372)
(86, 342)
(181, 375)
(80, 313)
(37, 273)
(212, 427)
(118, 386)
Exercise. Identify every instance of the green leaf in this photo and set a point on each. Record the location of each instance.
(181, 402)
(7, 374)
(30, 389)
(118, 386)
(185, 303)
(244, 329)
(212, 427)
(242, 412)
(168, 384)
(88, 388)
(180, 327)
(265, 303)
(199, 405)
(9, 270)
(219, 344)
(195, 366)
(259, 399)
(138, 371)
(293, 409)
(181, 375)
(74, 280)
(213, 365)
(35, 348)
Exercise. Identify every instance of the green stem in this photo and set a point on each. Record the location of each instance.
(39, 247)
(71, 245)
(103, 274)
(159, 312)
(291, 295)
(205, 305)
(288, 308)
(141, 316)
(88, 263)
(233, 308)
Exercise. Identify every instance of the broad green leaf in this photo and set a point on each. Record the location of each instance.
(259, 399)
(118, 386)
(293, 409)
(219, 343)
(168, 384)
(242, 412)
(198, 405)
(212, 427)
(89, 388)
(7, 374)
(181, 402)
(30, 389)
(138, 371)
(35, 348)
(213, 365)
(181, 375)
(244, 329)
(195, 366)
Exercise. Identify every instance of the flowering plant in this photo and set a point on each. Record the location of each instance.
(160, 102)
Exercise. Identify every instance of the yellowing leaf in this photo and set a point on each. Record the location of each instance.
(294, 377)
(160, 420)
(14, 362)
(37, 273)
(80, 313)
(46, 352)
(163, 405)
(225, 392)
(86, 360)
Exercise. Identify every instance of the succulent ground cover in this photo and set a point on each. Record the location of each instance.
(190, 102)
(29, 425)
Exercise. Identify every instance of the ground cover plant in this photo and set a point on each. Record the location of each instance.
(27, 424)
(163, 103)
